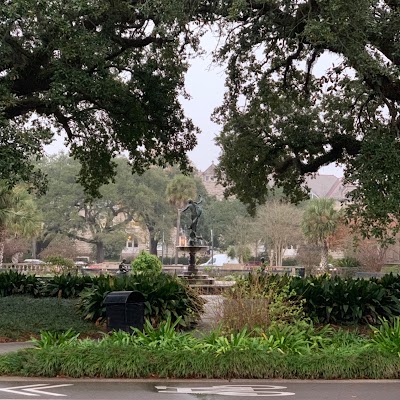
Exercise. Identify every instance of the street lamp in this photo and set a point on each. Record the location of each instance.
(162, 243)
(212, 247)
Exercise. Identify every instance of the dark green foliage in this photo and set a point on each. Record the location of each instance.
(348, 262)
(65, 285)
(341, 301)
(12, 282)
(119, 361)
(24, 316)
(283, 119)
(49, 78)
(165, 295)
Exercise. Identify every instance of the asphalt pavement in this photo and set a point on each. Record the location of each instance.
(105, 389)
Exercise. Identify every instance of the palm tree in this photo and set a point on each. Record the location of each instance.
(18, 214)
(179, 191)
(320, 221)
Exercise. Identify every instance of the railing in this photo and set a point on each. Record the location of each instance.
(27, 268)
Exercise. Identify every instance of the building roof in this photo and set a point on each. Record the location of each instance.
(328, 186)
(321, 186)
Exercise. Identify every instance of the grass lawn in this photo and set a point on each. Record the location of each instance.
(23, 317)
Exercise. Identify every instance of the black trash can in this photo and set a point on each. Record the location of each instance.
(124, 310)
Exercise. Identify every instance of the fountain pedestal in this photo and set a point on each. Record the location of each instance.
(192, 250)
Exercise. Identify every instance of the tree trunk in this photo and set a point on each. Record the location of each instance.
(153, 245)
(178, 227)
(2, 240)
(279, 255)
(99, 252)
(324, 257)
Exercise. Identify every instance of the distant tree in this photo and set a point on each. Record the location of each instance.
(220, 216)
(67, 210)
(309, 256)
(178, 192)
(320, 221)
(18, 214)
(60, 246)
(241, 234)
(15, 247)
(279, 226)
(144, 196)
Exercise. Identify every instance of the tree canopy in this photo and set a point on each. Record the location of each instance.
(107, 74)
(286, 113)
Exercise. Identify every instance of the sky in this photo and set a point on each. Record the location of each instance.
(205, 83)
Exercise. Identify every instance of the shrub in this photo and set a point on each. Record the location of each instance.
(253, 303)
(334, 299)
(337, 300)
(146, 263)
(65, 285)
(165, 295)
(348, 262)
(62, 265)
(386, 337)
(50, 339)
(12, 282)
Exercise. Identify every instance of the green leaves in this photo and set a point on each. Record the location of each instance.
(386, 337)
(355, 301)
(92, 72)
(147, 264)
(58, 339)
(310, 84)
(165, 297)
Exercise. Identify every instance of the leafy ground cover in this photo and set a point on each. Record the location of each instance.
(290, 345)
(286, 352)
(23, 317)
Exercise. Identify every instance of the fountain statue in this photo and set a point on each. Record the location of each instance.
(195, 242)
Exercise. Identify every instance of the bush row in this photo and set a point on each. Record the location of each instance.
(339, 300)
(325, 299)
(165, 295)
(288, 352)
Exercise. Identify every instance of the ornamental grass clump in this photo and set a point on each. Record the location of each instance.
(386, 337)
(256, 303)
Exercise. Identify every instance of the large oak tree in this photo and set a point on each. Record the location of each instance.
(107, 74)
(286, 114)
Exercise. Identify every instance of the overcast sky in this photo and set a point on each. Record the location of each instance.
(205, 85)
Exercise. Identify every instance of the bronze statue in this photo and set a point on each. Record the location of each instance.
(195, 213)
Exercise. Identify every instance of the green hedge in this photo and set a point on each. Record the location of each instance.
(134, 362)
(339, 300)
(165, 295)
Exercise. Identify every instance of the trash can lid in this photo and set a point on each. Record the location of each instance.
(124, 297)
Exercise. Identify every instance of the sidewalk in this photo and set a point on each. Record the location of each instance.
(14, 346)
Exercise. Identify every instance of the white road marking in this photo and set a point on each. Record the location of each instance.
(34, 390)
(229, 390)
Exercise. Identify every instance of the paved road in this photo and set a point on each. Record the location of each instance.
(99, 389)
